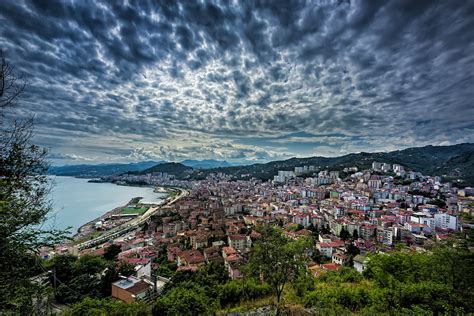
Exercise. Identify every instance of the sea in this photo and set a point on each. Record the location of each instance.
(76, 201)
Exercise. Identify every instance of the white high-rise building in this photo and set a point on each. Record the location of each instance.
(376, 166)
(446, 221)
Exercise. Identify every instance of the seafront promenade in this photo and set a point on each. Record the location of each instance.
(130, 225)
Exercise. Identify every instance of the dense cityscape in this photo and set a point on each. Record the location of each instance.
(346, 217)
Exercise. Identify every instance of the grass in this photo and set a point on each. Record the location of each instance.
(133, 210)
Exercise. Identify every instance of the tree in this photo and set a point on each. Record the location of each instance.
(62, 267)
(316, 256)
(355, 234)
(24, 204)
(84, 285)
(112, 252)
(90, 306)
(314, 230)
(277, 259)
(126, 269)
(185, 301)
(88, 276)
(344, 234)
(325, 230)
(11, 85)
(212, 274)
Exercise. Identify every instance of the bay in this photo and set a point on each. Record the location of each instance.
(76, 201)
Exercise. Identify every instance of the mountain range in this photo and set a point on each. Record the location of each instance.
(103, 170)
(453, 162)
(100, 170)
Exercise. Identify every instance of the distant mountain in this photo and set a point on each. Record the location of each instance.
(205, 164)
(174, 168)
(452, 162)
(456, 162)
(100, 170)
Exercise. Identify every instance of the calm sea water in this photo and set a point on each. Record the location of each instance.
(76, 201)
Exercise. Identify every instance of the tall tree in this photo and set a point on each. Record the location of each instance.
(277, 259)
(344, 234)
(24, 189)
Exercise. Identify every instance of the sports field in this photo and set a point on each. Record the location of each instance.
(134, 210)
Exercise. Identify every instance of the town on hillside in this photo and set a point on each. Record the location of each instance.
(349, 215)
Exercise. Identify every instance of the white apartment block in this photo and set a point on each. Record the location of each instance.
(446, 221)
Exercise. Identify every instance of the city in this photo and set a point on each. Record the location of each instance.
(241, 158)
(348, 215)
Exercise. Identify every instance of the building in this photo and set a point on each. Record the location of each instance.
(130, 289)
(239, 242)
(360, 263)
(398, 168)
(376, 166)
(374, 183)
(340, 258)
(367, 231)
(191, 257)
(446, 221)
(386, 167)
(301, 219)
(385, 235)
(326, 249)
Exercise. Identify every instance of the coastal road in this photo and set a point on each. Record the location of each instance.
(130, 225)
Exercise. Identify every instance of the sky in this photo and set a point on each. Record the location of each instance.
(241, 81)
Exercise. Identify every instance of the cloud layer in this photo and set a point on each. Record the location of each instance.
(250, 80)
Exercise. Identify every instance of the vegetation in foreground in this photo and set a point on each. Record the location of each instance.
(404, 282)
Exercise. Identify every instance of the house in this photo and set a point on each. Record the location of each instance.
(200, 240)
(233, 263)
(212, 254)
(327, 248)
(191, 257)
(142, 266)
(360, 263)
(130, 289)
(330, 266)
(339, 258)
(417, 228)
(173, 253)
(301, 219)
(239, 242)
(318, 270)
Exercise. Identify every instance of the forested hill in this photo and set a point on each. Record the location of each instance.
(456, 161)
(101, 170)
(169, 167)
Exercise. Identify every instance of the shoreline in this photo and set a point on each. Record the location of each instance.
(80, 231)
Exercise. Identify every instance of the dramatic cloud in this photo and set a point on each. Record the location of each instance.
(242, 81)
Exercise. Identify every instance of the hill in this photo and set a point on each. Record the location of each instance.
(205, 164)
(452, 162)
(100, 170)
(169, 167)
(456, 161)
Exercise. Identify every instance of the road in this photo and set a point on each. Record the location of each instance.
(130, 225)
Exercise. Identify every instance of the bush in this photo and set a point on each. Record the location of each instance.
(104, 307)
(239, 290)
(185, 301)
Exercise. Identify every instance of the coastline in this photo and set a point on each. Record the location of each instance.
(84, 230)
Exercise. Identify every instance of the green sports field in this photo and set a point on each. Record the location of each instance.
(133, 210)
